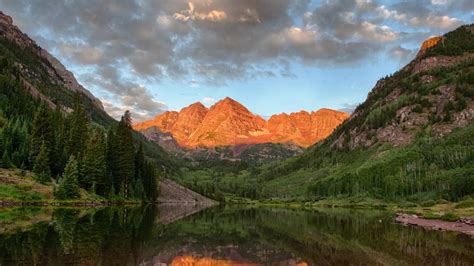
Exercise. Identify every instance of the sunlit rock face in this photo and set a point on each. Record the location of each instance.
(428, 44)
(229, 123)
(303, 128)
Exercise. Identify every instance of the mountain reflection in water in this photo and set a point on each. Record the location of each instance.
(221, 236)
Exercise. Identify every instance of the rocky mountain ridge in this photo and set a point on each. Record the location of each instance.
(229, 123)
(56, 71)
(433, 94)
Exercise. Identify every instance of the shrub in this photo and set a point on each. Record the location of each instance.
(469, 203)
(450, 217)
(417, 109)
(428, 203)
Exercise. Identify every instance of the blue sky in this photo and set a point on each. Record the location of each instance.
(271, 55)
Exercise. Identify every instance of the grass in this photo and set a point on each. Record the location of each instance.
(19, 186)
(440, 209)
(16, 185)
(449, 217)
(468, 203)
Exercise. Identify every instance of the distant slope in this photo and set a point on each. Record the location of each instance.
(249, 153)
(413, 138)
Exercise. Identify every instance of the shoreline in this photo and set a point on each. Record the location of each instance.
(464, 227)
(98, 204)
(66, 204)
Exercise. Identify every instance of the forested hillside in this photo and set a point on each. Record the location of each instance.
(412, 139)
(52, 126)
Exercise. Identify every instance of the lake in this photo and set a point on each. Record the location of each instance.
(223, 235)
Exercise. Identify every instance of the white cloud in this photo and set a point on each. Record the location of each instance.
(439, 2)
(377, 33)
(433, 21)
(207, 101)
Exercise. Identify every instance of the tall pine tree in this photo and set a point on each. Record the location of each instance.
(139, 162)
(94, 165)
(42, 130)
(69, 185)
(41, 165)
(78, 129)
(58, 152)
(123, 155)
(150, 182)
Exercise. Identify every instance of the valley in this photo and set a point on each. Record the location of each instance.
(408, 143)
(104, 161)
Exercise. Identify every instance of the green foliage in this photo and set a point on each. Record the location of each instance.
(27, 123)
(380, 116)
(78, 131)
(68, 185)
(454, 43)
(13, 193)
(6, 162)
(139, 191)
(94, 163)
(450, 217)
(42, 131)
(428, 203)
(41, 168)
(150, 181)
(122, 156)
(468, 203)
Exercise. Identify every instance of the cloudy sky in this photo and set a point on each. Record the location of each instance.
(271, 55)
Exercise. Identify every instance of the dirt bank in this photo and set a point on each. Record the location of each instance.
(458, 226)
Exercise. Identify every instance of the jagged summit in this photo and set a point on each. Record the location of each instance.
(229, 123)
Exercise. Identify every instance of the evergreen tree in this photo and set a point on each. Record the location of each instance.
(41, 165)
(94, 165)
(123, 155)
(6, 162)
(42, 131)
(69, 185)
(139, 162)
(150, 183)
(108, 188)
(139, 191)
(79, 129)
(58, 152)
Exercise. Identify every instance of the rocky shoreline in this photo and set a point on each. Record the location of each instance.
(464, 225)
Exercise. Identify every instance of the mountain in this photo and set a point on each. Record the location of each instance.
(45, 111)
(44, 77)
(229, 123)
(411, 140)
(42, 74)
(305, 128)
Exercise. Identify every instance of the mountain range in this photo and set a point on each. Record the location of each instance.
(229, 123)
(412, 139)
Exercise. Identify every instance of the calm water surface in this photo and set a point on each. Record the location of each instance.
(221, 236)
